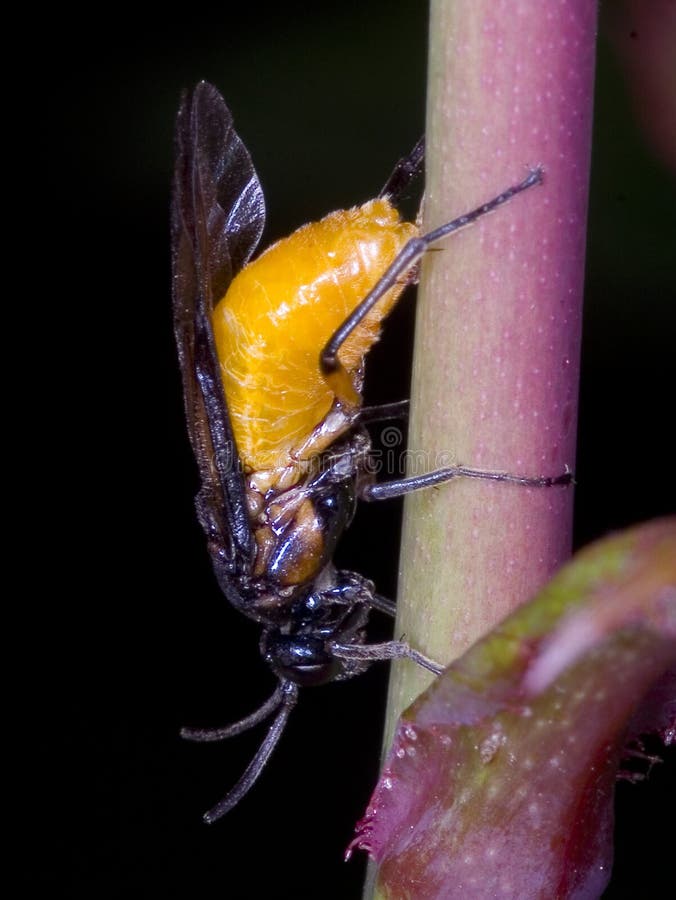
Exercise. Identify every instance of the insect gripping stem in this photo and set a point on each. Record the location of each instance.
(408, 257)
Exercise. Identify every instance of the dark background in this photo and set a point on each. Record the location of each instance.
(327, 97)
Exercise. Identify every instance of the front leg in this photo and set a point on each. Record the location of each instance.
(386, 650)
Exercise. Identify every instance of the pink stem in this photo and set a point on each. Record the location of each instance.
(498, 333)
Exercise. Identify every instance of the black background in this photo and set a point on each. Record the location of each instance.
(327, 97)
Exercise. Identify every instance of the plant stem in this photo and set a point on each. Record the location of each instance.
(495, 379)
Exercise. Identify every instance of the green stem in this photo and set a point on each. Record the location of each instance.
(495, 379)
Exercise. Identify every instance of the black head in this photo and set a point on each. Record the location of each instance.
(335, 608)
(301, 658)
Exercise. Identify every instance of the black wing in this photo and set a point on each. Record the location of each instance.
(408, 168)
(218, 213)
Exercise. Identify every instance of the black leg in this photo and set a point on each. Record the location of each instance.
(386, 650)
(407, 258)
(383, 605)
(384, 412)
(419, 482)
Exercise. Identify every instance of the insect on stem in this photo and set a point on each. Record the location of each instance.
(408, 257)
(279, 432)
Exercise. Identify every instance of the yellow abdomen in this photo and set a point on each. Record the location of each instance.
(279, 312)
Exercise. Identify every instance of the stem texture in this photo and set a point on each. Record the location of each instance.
(496, 366)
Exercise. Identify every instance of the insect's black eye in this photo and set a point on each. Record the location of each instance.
(302, 659)
(312, 676)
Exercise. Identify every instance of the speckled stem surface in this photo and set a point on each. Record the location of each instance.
(495, 381)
